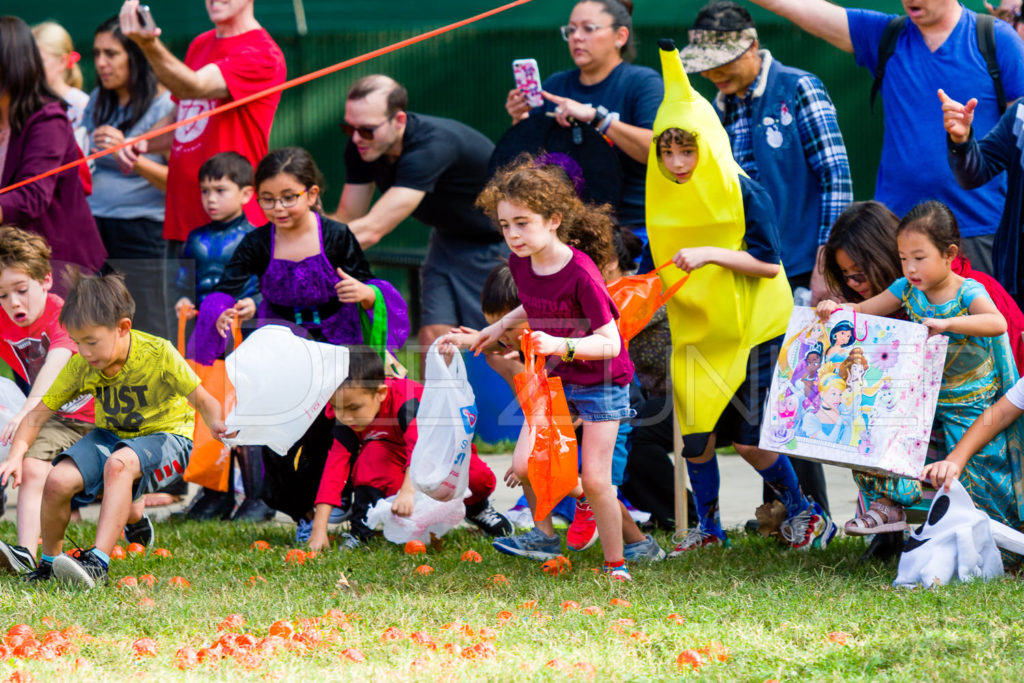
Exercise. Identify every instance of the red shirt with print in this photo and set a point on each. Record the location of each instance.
(249, 63)
(25, 350)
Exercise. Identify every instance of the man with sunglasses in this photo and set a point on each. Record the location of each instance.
(431, 169)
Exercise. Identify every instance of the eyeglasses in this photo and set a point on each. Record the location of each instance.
(365, 132)
(587, 29)
(856, 278)
(1008, 15)
(287, 201)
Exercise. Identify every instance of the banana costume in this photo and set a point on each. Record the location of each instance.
(719, 315)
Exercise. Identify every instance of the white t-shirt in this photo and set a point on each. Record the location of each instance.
(1016, 394)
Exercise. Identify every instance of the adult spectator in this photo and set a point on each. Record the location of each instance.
(1008, 11)
(618, 98)
(783, 130)
(129, 206)
(936, 48)
(429, 168)
(35, 137)
(235, 59)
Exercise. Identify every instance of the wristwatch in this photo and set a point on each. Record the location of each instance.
(602, 112)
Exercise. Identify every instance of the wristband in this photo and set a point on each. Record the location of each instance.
(570, 350)
(607, 122)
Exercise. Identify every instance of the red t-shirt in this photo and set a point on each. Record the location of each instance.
(249, 63)
(395, 423)
(25, 350)
(572, 303)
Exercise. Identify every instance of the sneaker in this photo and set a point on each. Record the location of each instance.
(303, 530)
(42, 572)
(87, 570)
(487, 519)
(350, 542)
(15, 559)
(812, 528)
(697, 538)
(618, 573)
(253, 510)
(140, 532)
(646, 550)
(583, 531)
(339, 515)
(534, 544)
(209, 504)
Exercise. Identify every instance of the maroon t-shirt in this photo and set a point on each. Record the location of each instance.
(572, 303)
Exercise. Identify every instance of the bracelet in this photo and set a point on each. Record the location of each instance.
(570, 350)
(607, 122)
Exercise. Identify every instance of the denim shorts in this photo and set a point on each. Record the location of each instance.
(163, 458)
(599, 403)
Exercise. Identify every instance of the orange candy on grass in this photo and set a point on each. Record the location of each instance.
(619, 602)
(259, 545)
(136, 549)
(127, 582)
(472, 556)
(179, 582)
(424, 569)
(556, 566)
(231, 622)
(162, 552)
(144, 647)
(415, 547)
(117, 553)
(147, 580)
(499, 579)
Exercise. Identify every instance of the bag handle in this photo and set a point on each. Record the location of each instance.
(860, 339)
(375, 332)
(190, 312)
(670, 292)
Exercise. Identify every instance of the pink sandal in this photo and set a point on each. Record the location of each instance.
(879, 519)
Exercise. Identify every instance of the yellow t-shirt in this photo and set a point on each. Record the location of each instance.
(148, 395)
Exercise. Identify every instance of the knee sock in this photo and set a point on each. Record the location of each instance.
(363, 498)
(782, 479)
(705, 482)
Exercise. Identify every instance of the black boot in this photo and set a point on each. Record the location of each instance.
(249, 461)
(884, 547)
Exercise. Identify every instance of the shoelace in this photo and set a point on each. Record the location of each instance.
(796, 528)
(694, 538)
(489, 516)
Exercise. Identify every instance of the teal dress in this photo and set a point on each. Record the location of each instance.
(978, 371)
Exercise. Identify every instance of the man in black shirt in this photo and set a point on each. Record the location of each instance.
(432, 169)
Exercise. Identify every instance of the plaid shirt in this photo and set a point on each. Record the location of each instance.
(819, 134)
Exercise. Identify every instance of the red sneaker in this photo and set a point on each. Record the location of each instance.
(582, 532)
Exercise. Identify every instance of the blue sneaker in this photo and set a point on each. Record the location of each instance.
(339, 515)
(646, 550)
(303, 530)
(534, 544)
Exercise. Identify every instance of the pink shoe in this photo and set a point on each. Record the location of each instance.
(583, 531)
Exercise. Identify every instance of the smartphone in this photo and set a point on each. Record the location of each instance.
(145, 18)
(527, 77)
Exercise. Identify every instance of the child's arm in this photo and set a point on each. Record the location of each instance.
(603, 344)
(989, 424)
(26, 435)
(463, 338)
(318, 537)
(54, 363)
(984, 320)
(492, 333)
(352, 291)
(209, 408)
(404, 499)
(884, 303)
(738, 261)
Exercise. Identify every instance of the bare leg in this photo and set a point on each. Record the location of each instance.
(630, 531)
(597, 447)
(30, 497)
(119, 475)
(520, 457)
(63, 482)
(137, 511)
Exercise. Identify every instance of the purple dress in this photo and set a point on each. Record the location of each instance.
(299, 294)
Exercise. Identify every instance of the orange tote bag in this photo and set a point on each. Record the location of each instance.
(638, 298)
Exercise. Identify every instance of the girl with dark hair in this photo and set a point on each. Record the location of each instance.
(861, 258)
(35, 137)
(621, 98)
(314, 279)
(128, 198)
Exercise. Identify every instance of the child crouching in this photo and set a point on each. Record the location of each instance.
(144, 426)
(373, 441)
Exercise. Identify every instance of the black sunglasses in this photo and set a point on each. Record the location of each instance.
(365, 132)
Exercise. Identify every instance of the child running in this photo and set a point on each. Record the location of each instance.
(567, 304)
(143, 437)
(372, 445)
(979, 364)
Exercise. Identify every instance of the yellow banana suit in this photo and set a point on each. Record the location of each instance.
(718, 315)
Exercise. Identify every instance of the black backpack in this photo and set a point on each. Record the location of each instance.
(986, 44)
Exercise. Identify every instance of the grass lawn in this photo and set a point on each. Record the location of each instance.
(777, 615)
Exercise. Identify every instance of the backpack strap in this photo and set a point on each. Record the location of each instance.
(886, 46)
(986, 26)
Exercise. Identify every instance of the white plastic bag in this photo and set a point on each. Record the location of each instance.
(282, 382)
(11, 401)
(445, 422)
(428, 516)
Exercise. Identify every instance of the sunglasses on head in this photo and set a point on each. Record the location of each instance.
(365, 132)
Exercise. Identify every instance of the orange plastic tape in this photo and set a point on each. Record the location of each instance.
(270, 91)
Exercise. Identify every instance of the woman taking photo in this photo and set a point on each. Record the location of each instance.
(620, 99)
(35, 137)
(128, 198)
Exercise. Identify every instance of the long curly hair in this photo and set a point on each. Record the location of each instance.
(547, 191)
